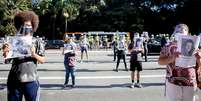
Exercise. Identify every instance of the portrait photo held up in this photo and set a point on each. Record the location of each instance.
(19, 46)
(187, 45)
(138, 42)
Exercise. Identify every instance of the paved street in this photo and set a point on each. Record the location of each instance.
(96, 80)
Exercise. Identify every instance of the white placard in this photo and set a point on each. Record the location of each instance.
(187, 46)
(138, 41)
(20, 46)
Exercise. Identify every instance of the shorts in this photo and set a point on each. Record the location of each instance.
(83, 49)
(135, 65)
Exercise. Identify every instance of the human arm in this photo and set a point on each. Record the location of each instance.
(5, 49)
(38, 51)
(40, 59)
(167, 56)
(198, 61)
(63, 49)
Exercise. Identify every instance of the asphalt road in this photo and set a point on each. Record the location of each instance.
(96, 79)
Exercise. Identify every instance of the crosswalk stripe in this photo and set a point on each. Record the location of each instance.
(94, 77)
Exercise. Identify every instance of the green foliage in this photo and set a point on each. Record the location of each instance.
(154, 16)
(9, 29)
(7, 11)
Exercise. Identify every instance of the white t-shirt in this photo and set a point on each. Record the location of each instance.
(69, 47)
(84, 42)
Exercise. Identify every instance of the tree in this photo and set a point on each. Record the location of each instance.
(7, 11)
(55, 11)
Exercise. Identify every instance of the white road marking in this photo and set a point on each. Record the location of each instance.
(94, 77)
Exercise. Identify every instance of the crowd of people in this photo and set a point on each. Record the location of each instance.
(181, 82)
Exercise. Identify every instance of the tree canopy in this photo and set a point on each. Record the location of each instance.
(154, 16)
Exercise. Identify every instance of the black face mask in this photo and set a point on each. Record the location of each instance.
(25, 30)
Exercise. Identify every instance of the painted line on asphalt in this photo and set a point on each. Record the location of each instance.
(94, 77)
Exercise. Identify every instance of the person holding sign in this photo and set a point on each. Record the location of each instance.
(121, 52)
(181, 79)
(23, 78)
(69, 52)
(136, 48)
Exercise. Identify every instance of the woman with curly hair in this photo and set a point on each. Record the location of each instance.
(23, 77)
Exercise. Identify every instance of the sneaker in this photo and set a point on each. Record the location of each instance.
(81, 61)
(73, 86)
(132, 85)
(65, 85)
(126, 70)
(138, 85)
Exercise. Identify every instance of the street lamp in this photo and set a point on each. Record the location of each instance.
(66, 15)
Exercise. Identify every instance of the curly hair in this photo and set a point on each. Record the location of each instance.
(23, 16)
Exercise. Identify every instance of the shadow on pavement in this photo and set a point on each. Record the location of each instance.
(95, 61)
(87, 70)
(51, 86)
(54, 62)
(60, 86)
(152, 84)
(2, 86)
(125, 85)
(154, 68)
(92, 70)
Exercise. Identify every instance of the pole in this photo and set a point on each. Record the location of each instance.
(66, 26)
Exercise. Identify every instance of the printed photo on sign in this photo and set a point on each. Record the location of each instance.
(138, 43)
(187, 45)
(19, 46)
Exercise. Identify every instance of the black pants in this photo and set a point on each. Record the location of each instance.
(145, 54)
(115, 54)
(121, 55)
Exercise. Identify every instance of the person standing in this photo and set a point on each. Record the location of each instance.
(121, 54)
(181, 82)
(69, 52)
(136, 49)
(163, 40)
(23, 76)
(97, 42)
(114, 46)
(84, 47)
(145, 43)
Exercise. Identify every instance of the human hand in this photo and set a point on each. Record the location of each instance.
(173, 57)
(174, 54)
(33, 50)
(198, 56)
(6, 49)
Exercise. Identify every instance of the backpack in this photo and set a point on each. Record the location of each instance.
(71, 61)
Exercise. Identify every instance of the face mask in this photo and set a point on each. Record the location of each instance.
(24, 31)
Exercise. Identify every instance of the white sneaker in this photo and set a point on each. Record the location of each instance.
(132, 85)
(81, 61)
(138, 85)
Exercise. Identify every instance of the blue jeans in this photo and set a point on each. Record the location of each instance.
(69, 71)
(31, 91)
